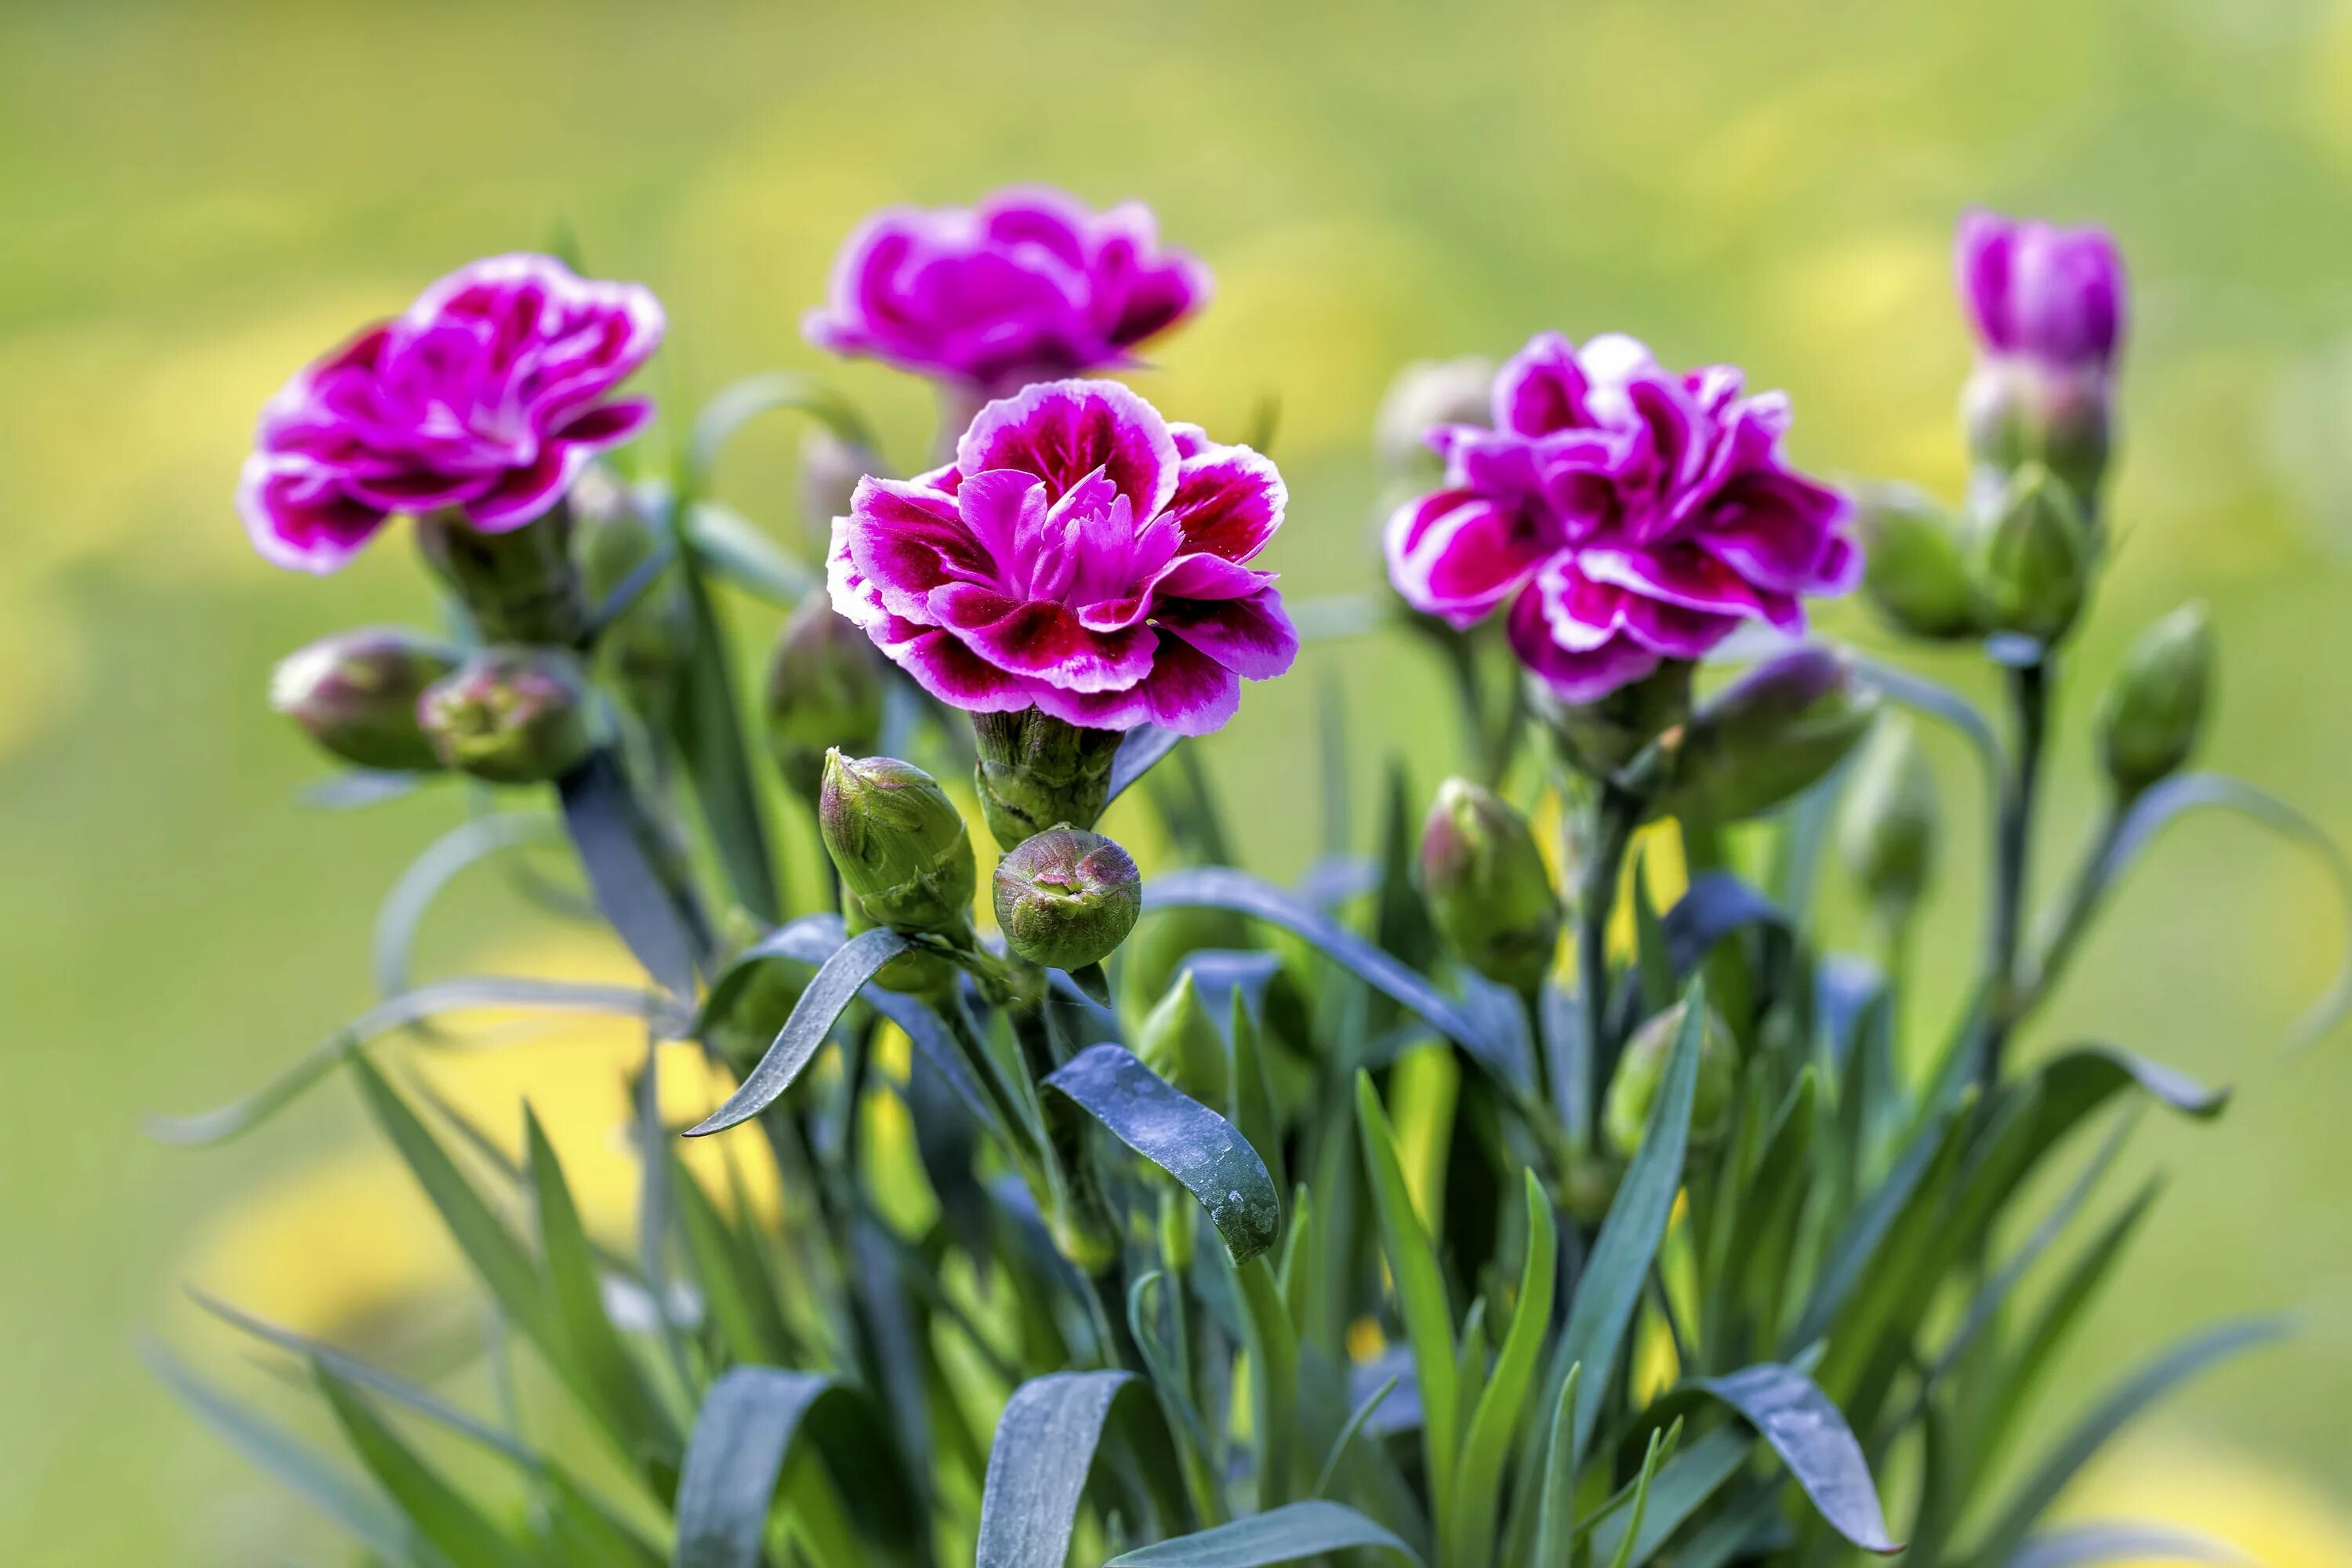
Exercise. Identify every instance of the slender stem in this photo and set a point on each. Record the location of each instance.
(1273, 1378)
(2029, 691)
(1614, 814)
(2064, 931)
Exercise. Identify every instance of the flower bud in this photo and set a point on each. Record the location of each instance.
(1914, 570)
(2150, 719)
(518, 586)
(1180, 1042)
(830, 469)
(356, 693)
(1488, 892)
(1066, 897)
(1037, 772)
(1886, 827)
(1425, 394)
(510, 715)
(1599, 738)
(645, 650)
(900, 845)
(2048, 305)
(2016, 411)
(2032, 557)
(1625, 1115)
(1768, 735)
(824, 689)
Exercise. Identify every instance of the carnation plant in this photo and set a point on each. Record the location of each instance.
(1497, 1197)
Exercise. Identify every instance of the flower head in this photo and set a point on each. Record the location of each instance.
(485, 396)
(1081, 556)
(1029, 285)
(2042, 292)
(1627, 514)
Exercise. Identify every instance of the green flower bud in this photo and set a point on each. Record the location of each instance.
(1180, 1042)
(1886, 827)
(510, 715)
(2150, 719)
(1590, 1186)
(644, 650)
(1425, 394)
(356, 693)
(2015, 410)
(1066, 897)
(2032, 557)
(824, 689)
(1599, 738)
(1625, 1115)
(520, 585)
(1488, 890)
(1913, 569)
(900, 845)
(1768, 735)
(1036, 771)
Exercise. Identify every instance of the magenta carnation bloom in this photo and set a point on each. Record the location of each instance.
(1028, 285)
(2041, 292)
(1082, 556)
(485, 396)
(1629, 515)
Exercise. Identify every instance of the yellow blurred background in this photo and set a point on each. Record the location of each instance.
(195, 199)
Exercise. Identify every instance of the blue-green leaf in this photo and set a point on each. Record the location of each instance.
(1143, 747)
(1219, 887)
(608, 830)
(748, 1428)
(1038, 1464)
(1281, 1535)
(1679, 1491)
(836, 984)
(1813, 1439)
(442, 1514)
(1183, 1137)
(404, 908)
(738, 405)
(2083, 1545)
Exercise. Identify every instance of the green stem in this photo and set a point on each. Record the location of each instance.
(2064, 931)
(2029, 693)
(1615, 813)
(1274, 1380)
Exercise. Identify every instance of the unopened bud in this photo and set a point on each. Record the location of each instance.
(824, 689)
(830, 469)
(1488, 890)
(1886, 827)
(1625, 1115)
(1425, 394)
(2149, 720)
(2015, 411)
(356, 693)
(644, 650)
(900, 845)
(1768, 735)
(510, 715)
(2033, 558)
(1037, 772)
(1914, 572)
(1067, 898)
(1180, 1042)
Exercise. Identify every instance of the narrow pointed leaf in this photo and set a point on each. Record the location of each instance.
(776, 391)
(1281, 1535)
(1813, 1439)
(1494, 1419)
(1681, 1488)
(2083, 1545)
(1714, 905)
(2143, 1388)
(1556, 1521)
(443, 1515)
(358, 787)
(1184, 1138)
(1420, 1293)
(604, 821)
(1641, 1505)
(412, 897)
(294, 1462)
(1355, 1423)
(836, 984)
(1945, 705)
(810, 940)
(1038, 1465)
(751, 1424)
(1219, 887)
(1142, 748)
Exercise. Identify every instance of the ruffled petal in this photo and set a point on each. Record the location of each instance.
(1687, 575)
(522, 494)
(1575, 676)
(1541, 389)
(1063, 431)
(298, 516)
(1253, 638)
(1773, 529)
(1459, 555)
(1039, 638)
(1228, 502)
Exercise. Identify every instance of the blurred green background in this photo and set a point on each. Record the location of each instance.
(195, 199)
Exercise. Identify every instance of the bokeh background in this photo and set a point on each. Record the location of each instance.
(194, 199)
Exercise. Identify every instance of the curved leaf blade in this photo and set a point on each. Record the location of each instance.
(1038, 1464)
(738, 405)
(1143, 749)
(442, 1514)
(749, 1428)
(2082, 1545)
(1812, 1437)
(1280, 1535)
(1712, 907)
(1220, 887)
(1184, 1138)
(412, 897)
(836, 984)
(602, 818)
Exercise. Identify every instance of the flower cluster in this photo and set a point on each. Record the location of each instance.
(1082, 556)
(488, 396)
(1028, 285)
(1628, 515)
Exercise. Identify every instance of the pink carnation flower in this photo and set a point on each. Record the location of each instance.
(1627, 515)
(1082, 556)
(2041, 292)
(1028, 286)
(487, 396)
